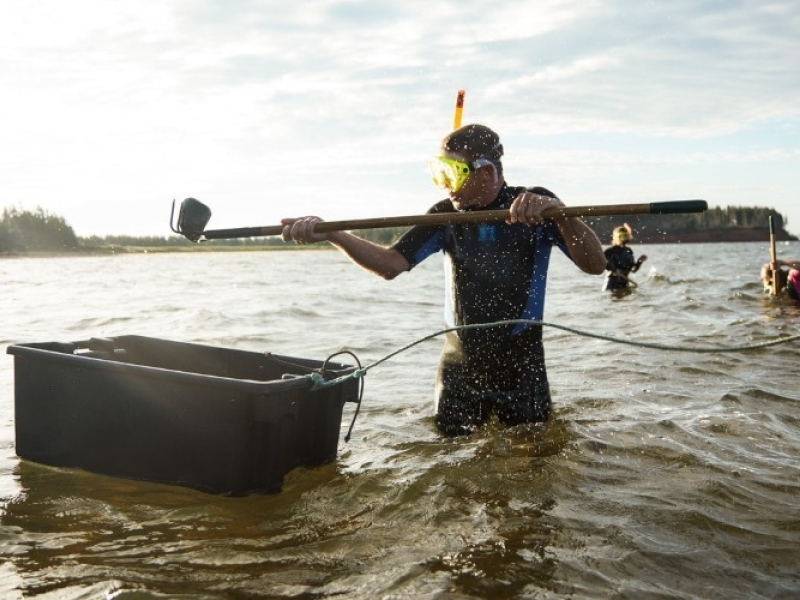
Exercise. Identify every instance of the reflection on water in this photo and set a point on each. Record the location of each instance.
(659, 474)
(326, 525)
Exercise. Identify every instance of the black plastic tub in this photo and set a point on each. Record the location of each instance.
(219, 420)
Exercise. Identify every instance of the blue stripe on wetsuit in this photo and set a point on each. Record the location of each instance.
(534, 307)
(433, 245)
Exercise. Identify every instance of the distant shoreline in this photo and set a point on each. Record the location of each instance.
(666, 239)
(127, 250)
(710, 236)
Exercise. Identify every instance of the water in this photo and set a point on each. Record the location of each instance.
(659, 475)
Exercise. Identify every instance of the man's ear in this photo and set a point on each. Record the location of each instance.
(489, 174)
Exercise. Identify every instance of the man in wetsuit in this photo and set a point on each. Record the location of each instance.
(495, 272)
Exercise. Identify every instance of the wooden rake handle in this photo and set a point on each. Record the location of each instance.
(477, 216)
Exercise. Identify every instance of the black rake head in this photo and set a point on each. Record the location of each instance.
(192, 219)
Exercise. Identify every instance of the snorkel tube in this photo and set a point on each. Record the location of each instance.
(459, 109)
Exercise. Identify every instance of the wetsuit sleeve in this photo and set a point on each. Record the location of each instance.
(419, 242)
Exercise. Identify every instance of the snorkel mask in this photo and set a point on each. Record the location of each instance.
(452, 174)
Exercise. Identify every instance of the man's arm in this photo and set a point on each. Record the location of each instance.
(384, 262)
(792, 264)
(583, 245)
(639, 262)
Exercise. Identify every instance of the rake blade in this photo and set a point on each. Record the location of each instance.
(193, 218)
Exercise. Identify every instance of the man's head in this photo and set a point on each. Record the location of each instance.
(472, 142)
(469, 166)
(621, 236)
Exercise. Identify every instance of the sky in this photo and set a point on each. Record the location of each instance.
(263, 109)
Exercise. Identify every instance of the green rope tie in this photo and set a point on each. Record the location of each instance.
(319, 382)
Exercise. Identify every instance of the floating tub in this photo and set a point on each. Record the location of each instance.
(215, 419)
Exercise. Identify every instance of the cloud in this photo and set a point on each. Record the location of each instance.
(346, 98)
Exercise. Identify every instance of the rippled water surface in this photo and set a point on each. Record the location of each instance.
(661, 474)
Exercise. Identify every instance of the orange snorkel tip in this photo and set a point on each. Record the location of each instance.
(459, 109)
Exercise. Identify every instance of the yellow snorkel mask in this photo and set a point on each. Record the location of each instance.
(451, 174)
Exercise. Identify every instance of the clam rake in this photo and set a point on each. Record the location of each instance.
(193, 217)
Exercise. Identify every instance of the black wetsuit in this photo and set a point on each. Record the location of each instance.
(495, 272)
(619, 258)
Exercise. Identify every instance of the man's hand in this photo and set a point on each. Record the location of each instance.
(528, 207)
(301, 230)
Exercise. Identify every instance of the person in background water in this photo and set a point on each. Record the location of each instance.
(788, 278)
(495, 271)
(619, 260)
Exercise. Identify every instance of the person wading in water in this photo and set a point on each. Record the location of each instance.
(620, 260)
(495, 271)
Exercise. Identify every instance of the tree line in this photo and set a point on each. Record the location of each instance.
(40, 231)
(720, 222)
(24, 231)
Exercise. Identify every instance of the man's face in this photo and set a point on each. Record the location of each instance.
(477, 191)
